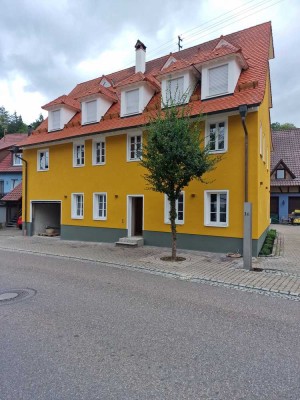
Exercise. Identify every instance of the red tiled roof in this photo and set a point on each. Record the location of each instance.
(139, 77)
(6, 164)
(106, 92)
(14, 195)
(63, 100)
(254, 45)
(11, 139)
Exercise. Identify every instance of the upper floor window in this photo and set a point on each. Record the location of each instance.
(179, 204)
(280, 174)
(43, 160)
(91, 111)
(217, 136)
(99, 206)
(218, 80)
(216, 208)
(132, 101)
(78, 158)
(175, 90)
(17, 160)
(55, 119)
(77, 205)
(99, 152)
(134, 149)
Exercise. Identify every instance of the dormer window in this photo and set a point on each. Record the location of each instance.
(218, 80)
(280, 174)
(55, 120)
(91, 111)
(175, 90)
(132, 101)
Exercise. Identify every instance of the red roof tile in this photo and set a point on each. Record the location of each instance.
(253, 45)
(11, 139)
(106, 92)
(14, 195)
(6, 165)
(63, 100)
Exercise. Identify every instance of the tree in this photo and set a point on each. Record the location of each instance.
(174, 155)
(37, 122)
(16, 124)
(276, 126)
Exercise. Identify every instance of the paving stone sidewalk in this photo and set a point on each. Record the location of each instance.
(279, 274)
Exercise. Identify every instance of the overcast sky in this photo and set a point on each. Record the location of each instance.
(48, 46)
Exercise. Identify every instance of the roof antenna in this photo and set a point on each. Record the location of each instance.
(179, 41)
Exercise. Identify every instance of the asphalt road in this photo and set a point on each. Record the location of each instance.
(98, 332)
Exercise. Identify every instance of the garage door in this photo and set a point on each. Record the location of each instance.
(294, 204)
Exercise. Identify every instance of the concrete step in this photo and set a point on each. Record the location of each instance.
(134, 241)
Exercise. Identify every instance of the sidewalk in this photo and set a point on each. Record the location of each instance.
(280, 275)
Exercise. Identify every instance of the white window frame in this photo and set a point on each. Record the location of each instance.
(96, 206)
(167, 210)
(178, 95)
(138, 103)
(221, 92)
(58, 126)
(207, 203)
(17, 162)
(129, 136)
(74, 214)
(81, 163)
(102, 150)
(217, 121)
(39, 152)
(86, 104)
(279, 170)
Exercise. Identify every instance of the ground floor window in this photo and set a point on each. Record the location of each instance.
(216, 208)
(179, 210)
(77, 205)
(99, 206)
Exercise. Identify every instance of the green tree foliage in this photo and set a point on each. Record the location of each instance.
(16, 124)
(174, 155)
(276, 126)
(37, 122)
(13, 123)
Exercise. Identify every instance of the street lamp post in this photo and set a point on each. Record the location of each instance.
(247, 240)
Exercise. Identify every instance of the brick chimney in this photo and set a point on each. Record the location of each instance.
(140, 57)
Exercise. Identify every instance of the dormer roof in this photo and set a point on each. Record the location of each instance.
(177, 65)
(106, 82)
(140, 77)
(63, 100)
(101, 91)
(283, 165)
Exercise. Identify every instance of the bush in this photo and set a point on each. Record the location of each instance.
(267, 247)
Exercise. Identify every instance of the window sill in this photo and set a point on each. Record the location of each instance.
(89, 122)
(78, 166)
(97, 164)
(100, 219)
(217, 151)
(217, 225)
(176, 222)
(43, 170)
(73, 217)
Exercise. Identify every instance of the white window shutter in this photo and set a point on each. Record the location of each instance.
(132, 101)
(175, 89)
(91, 111)
(218, 80)
(56, 119)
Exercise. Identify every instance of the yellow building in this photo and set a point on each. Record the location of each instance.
(83, 171)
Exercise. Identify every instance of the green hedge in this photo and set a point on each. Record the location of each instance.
(267, 247)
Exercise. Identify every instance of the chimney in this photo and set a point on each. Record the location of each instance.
(140, 57)
(30, 129)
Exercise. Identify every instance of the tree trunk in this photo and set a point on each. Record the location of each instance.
(173, 216)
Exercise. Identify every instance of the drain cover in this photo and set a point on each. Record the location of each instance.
(8, 296)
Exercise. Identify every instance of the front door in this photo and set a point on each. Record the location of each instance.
(136, 218)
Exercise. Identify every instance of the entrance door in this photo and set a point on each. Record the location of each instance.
(135, 227)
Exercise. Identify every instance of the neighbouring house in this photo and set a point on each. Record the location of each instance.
(285, 174)
(10, 177)
(84, 175)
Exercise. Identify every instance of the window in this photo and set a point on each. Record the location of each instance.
(216, 208)
(99, 152)
(78, 160)
(43, 160)
(216, 136)
(218, 80)
(132, 101)
(77, 205)
(99, 206)
(280, 174)
(179, 210)
(14, 183)
(175, 90)
(55, 119)
(91, 111)
(134, 147)
(1, 189)
(17, 160)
